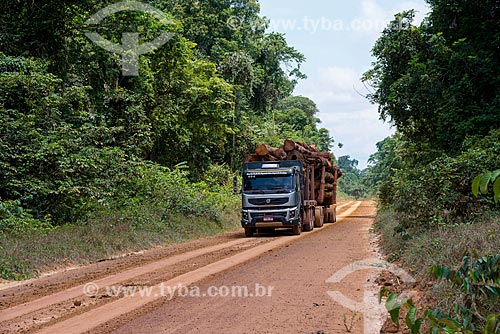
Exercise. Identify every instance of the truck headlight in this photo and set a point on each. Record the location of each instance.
(293, 213)
(245, 215)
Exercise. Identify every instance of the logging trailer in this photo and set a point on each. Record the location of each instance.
(291, 187)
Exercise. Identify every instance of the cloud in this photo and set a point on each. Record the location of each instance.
(332, 85)
(350, 117)
(374, 17)
(338, 60)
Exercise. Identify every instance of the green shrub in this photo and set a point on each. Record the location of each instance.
(477, 310)
(153, 206)
(440, 193)
(15, 219)
(14, 269)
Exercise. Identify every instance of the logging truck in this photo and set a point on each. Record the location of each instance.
(292, 187)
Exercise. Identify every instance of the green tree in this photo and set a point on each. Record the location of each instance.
(438, 83)
(351, 181)
(72, 122)
(383, 166)
(295, 117)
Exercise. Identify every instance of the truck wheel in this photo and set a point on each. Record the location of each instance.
(330, 214)
(319, 217)
(309, 221)
(249, 232)
(296, 229)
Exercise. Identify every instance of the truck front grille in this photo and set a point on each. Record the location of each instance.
(268, 201)
(273, 214)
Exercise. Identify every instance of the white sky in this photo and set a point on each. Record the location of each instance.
(337, 37)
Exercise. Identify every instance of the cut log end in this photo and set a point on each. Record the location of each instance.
(289, 145)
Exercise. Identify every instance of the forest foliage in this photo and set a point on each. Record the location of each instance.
(77, 134)
(94, 162)
(438, 83)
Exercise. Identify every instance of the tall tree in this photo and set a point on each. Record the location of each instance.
(439, 83)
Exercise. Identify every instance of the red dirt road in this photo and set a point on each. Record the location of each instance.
(226, 284)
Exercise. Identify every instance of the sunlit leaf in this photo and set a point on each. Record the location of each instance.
(475, 185)
(496, 190)
(411, 316)
(485, 181)
(394, 307)
(491, 324)
(495, 175)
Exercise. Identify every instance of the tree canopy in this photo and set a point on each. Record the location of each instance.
(438, 83)
(74, 127)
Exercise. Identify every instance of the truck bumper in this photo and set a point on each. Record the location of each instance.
(270, 218)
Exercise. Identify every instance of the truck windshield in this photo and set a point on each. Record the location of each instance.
(268, 182)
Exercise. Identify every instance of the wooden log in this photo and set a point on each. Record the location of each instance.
(333, 200)
(256, 158)
(321, 194)
(303, 150)
(328, 197)
(320, 162)
(289, 145)
(310, 148)
(308, 154)
(329, 177)
(263, 150)
(279, 154)
(311, 176)
(325, 155)
(328, 186)
(295, 155)
(251, 158)
(269, 157)
(337, 171)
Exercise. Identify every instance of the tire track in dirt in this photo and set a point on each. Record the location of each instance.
(63, 317)
(298, 274)
(78, 291)
(100, 315)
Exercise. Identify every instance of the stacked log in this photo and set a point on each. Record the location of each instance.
(324, 171)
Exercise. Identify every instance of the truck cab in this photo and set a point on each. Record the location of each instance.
(272, 196)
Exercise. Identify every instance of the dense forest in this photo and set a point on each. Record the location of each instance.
(71, 121)
(439, 85)
(95, 162)
(83, 144)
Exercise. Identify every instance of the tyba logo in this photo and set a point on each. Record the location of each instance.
(130, 49)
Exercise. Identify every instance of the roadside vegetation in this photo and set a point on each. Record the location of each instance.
(94, 163)
(351, 184)
(439, 85)
(164, 208)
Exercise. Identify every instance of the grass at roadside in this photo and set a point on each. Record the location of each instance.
(144, 207)
(444, 246)
(107, 233)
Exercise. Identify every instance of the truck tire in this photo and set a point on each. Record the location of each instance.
(319, 217)
(249, 232)
(296, 229)
(309, 220)
(330, 214)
